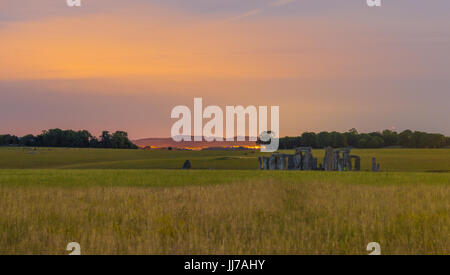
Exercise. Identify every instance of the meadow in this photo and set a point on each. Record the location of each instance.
(408, 160)
(140, 202)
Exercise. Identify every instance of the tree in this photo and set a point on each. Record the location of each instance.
(338, 140)
(9, 140)
(390, 138)
(70, 138)
(323, 139)
(352, 137)
(404, 138)
(309, 139)
(288, 142)
(120, 140)
(362, 143)
(28, 140)
(52, 138)
(353, 131)
(106, 139)
(375, 142)
(94, 143)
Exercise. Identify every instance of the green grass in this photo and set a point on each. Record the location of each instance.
(223, 212)
(141, 202)
(414, 160)
(178, 178)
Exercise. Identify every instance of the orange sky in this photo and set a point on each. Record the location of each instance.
(343, 66)
(120, 45)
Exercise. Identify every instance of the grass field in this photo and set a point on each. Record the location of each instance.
(112, 203)
(418, 160)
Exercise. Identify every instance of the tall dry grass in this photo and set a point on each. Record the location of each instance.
(262, 217)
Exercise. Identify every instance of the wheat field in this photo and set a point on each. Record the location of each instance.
(223, 212)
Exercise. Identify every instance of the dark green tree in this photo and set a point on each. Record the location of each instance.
(390, 138)
(323, 139)
(309, 139)
(404, 138)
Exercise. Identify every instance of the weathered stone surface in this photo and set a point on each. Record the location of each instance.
(291, 163)
(273, 162)
(281, 162)
(187, 165)
(303, 149)
(375, 165)
(314, 164)
(307, 161)
(357, 166)
(298, 161)
(346, 160)
(303, 159)
(336, 158)
(340, 164)
(328, 159)
(265, 163)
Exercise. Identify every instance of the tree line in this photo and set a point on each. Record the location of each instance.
(70, 138)
(386, 138)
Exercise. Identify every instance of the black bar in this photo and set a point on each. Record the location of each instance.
(271, 264)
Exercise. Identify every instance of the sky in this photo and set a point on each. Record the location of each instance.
(123, 65)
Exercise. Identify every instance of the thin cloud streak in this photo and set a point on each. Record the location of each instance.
(278, 3)
(247, 14)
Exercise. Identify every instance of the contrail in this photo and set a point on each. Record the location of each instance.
(247, 14)
(277, 3)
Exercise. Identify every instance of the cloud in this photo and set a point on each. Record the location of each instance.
(280, 3)
(277, 3)
(247, 14)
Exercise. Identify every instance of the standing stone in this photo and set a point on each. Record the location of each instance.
(277, 162)
(346, 160)
(303, 149)
(298, 161)
(291, 164)
(187, 165)
(314, 164)
(336, 159)
(357, 162)
(307, 161)
(340, 165)
(349, 164)
(375, 165)
(328, 159)
(265, 163)
(281, 162)
(273, 162)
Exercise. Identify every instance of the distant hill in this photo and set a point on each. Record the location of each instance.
(155, 143)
